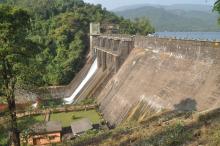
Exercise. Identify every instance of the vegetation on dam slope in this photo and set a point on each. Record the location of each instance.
(166, 129)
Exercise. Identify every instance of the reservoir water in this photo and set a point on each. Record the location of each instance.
(212, 36)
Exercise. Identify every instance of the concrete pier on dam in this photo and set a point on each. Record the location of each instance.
(138, 76)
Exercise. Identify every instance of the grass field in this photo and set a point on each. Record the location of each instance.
(39, 118)
(67, 118)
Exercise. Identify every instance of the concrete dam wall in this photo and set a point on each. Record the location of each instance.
(139, 76)
(162, 74)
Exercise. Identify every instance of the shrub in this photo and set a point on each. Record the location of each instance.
(172, 136)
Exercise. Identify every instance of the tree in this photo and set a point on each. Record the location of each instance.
(15, 52)
(62, 28)
(143, 26)
(217, 8)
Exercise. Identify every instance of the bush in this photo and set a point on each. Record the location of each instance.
(172, 136)
(3, 135)
(214, 137)
(76, 117)
(87, 101)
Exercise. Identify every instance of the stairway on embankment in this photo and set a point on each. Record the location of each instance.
(163, 74)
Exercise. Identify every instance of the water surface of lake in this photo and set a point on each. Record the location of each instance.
(212, 36)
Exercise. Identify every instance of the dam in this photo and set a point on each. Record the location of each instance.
(137, 76)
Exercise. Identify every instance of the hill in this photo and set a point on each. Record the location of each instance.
(190, 7)
(175, 17)
(185, 7)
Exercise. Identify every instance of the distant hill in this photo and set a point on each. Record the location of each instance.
(190, 7)
(181, 17)
(185, 7)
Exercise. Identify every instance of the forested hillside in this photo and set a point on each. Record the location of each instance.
(61, 28)
(174, 17)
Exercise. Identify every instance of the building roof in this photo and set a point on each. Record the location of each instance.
(46, 127)
(81, 126)
(3, 107)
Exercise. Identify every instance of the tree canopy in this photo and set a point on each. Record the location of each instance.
(61, 27)
(15, 52)
(15, 48)
(217, 8)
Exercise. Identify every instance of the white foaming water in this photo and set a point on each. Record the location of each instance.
(91, 72)
(35, 105)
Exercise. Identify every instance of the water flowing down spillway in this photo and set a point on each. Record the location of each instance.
(91, 72)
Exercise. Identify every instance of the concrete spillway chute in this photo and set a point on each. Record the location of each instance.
(89, 75)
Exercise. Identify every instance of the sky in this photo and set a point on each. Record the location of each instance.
(112, 4)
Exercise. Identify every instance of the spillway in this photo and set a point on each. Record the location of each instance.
(89, 75)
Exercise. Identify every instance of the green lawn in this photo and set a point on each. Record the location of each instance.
(26, 122)
(39, 118)
(67, 118)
